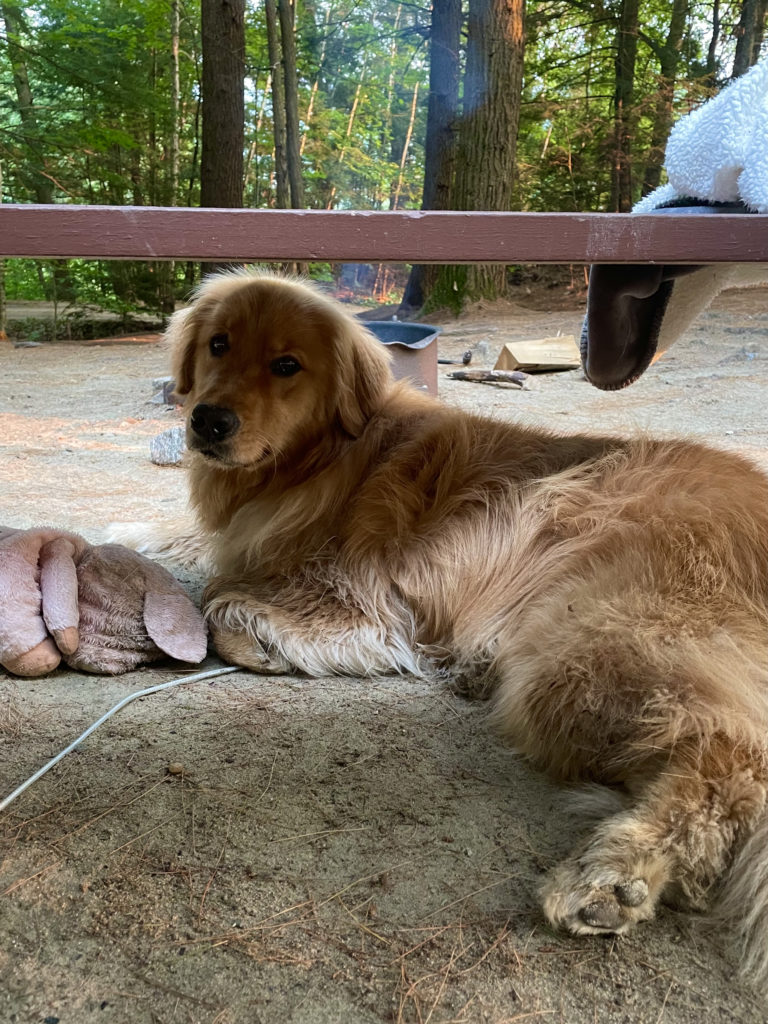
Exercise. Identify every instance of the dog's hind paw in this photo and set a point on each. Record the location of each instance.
(594, 899)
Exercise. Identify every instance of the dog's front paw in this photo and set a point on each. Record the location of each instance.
(238, 649)
(177, 540)
(242, 636)
(137, 536)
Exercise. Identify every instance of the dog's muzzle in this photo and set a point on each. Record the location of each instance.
(212, 425)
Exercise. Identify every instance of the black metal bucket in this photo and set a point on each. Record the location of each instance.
(413, 348)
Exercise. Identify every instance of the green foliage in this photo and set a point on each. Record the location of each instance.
(118, 287)
(565, 140)
(22, 281)
(76, 325)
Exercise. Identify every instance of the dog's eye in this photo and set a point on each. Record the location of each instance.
(219, 344)
(285, 366)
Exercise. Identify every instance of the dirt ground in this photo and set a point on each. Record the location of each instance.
(333, 850)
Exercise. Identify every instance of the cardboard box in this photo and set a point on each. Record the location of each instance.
(540, 355)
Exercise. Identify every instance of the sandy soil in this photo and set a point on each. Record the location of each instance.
(333, 850)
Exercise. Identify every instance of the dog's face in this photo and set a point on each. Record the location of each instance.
(268, 367)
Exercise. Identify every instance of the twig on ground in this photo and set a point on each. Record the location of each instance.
(516, 377)
(110, 810)
(143, 835)
(264, 792)
(445, 971)
(358, 881)
(23, 881)
(469, 895)
(323, 832)
(666, 997)
(436, 932)
(213, 873)
(500, 938)
(364, 927)
(523, 1016)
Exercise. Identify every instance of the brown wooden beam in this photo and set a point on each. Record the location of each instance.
(153, 233)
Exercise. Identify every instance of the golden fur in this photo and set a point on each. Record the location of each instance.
(611, 595)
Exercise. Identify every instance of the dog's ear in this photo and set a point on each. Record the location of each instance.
(181, 335)
(364, 376)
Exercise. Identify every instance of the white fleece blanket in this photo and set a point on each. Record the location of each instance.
(719, 152)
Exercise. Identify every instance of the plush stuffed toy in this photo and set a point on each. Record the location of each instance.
(101, 609)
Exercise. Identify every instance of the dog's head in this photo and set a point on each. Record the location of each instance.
(268, 366)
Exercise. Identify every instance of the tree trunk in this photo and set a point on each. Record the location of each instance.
(286, 11)
(175, 104)
(388, 133)
(151, 176)
(384, 275)
(316, 83)
(282, 186)
(485, 166)
(223, 43)
(395, 198)
(669, 58)
(440, 142)
(749, 36)
(714, 40)
(221, 160)
(252, 178)
(196, 147)
(623, 113)
(350, 126)
(167, 271)
(757, 42)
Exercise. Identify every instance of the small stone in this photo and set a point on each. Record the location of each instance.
(167, 449)
(169, 394)
(175, 768)
(166, 391)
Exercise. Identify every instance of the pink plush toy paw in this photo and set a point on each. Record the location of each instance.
(103, 609)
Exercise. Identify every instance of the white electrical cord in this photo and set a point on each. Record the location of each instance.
(91, 728)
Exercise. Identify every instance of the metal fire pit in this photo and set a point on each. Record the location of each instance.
(413, 348)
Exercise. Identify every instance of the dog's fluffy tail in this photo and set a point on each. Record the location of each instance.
(741, 911)
(178, 541)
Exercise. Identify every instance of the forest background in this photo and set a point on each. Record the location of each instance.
(344, 104)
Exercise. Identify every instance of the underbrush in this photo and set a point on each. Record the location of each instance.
(79, 325)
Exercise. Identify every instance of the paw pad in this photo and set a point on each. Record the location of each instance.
(632, 894)
(606, 908)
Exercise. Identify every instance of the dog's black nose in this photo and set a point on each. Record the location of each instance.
(214, 423)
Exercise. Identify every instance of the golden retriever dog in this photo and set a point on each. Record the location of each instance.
(611, 596)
